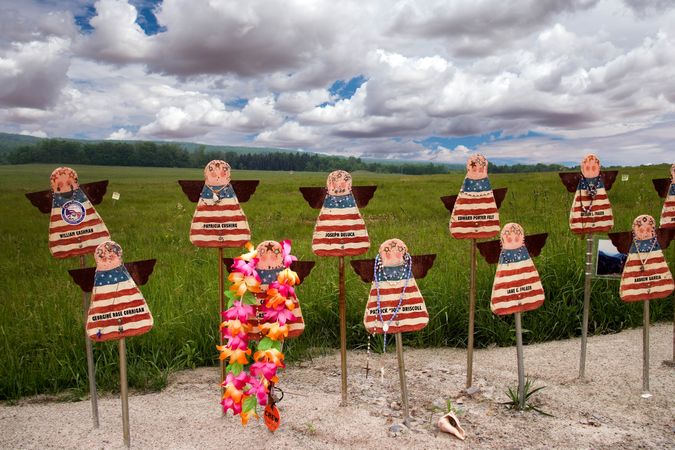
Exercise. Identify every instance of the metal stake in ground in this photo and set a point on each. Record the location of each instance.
(645, 350)
(340, 231)
(664, 187)
(521, 363)
(472, 312)
(588, 274)
(124, 392)
(395, 304)
(590, 213)
(75, 206)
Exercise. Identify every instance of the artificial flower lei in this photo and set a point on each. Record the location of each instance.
(249, 379)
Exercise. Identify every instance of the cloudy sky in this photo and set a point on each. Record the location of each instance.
(519, 81)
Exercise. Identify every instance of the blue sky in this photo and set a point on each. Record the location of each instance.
(522, 81)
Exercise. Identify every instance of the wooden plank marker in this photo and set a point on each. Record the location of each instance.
(591, 212)
(646, 275)
(218, 221)
(395, 304)
(118, 309)
(75, 229)
(340, 231)
(474, 215)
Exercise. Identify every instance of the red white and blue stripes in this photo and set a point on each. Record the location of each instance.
(591, 210)
(218, 220)
(668, 211)
(475, 214)
(517, 286)
(340, 229)
(646, 275)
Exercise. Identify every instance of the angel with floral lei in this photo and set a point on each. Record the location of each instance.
(75, 228)
(646, 275)
(591, 210)
(668, 211)
(475, 214)
(218, 220)
(248, 386)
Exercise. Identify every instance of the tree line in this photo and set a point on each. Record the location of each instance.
(152, 154)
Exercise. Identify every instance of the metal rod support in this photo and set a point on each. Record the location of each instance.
(342, 306)
(91, 368)
(588, 272)
(124, 392)
(472, 308)
(521, 363)
(402, 378)
(645, 348)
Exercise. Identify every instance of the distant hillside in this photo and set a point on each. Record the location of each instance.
(11, 141)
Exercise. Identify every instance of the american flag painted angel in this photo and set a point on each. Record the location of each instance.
(218, 220)
(340, 229)
(75, 228)
(475, 214)
(517, 286)
(591, 210)
(117, 308)
(646, 275)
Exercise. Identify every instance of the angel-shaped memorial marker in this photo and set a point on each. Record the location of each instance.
(262, 306)
(219, 221)
(646, 275)
(395, 304)
(474, 215)
(340, 231)
(665, 187)
(118, 309)
(75, 229)
(517, 286)
(591, 212)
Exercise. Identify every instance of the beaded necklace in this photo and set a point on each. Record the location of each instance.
(592, 190)
(216, 192)
(637, 249)
(380, 274)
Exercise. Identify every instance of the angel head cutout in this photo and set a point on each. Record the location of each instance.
(273, 257)
(646, 275)
(340, 229)
(668, 211)
(517, 286)
(75, 228)
(475, 214)
(218, 220)
(395, 303)
(591, 210)
(117, 308)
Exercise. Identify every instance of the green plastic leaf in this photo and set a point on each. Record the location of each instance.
(249, 403)
(277, 345)
(235, 368)
(265, 344)
(249, 299)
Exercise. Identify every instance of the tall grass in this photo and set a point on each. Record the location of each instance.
(41, 317)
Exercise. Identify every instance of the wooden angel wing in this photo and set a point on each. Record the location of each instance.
(662, 185)
(244, 189)
(571, 179)
(535, 242)
(140, 271)
(621, 240)
(95, 191)
(314, 196)
(41, 200)
(363, 194)
(499, 194)
(609, 177)
(664, 236)
(192, 188)
(490, 250)
(420, 266)
(302, 268)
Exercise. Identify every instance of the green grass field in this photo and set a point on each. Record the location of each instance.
(41, 323)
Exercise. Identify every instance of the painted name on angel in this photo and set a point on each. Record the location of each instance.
(346, 234)
(480, 217)
(519, 289)
(651, 278)
(220, 225)
(115, 314)
(594, 213)
(389, 310)
(76, 233)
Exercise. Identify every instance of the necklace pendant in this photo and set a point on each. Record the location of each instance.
(385, 327)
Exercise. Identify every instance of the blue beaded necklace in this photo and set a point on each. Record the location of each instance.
(379, 273)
